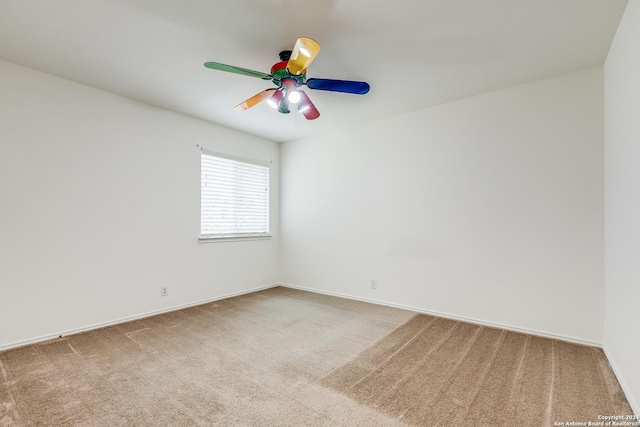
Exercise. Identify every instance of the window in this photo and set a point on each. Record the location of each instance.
(234, 197)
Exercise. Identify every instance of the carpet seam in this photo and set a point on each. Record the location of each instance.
(352, 358)
(384, 362)
(413, 338)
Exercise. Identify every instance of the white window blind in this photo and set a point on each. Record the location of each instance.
(234, 197)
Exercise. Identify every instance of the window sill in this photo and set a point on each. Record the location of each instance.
(233, 238)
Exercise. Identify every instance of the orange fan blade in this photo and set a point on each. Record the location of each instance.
(304, 51)
(255, 99)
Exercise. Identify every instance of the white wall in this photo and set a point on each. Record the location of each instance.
(489, 208)
(99, 206)
(622, 201)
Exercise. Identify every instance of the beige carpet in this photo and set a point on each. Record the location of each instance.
(283, 357)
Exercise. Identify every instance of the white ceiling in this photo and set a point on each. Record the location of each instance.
(413, 53)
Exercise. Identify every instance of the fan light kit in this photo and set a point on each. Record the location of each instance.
(289, 75)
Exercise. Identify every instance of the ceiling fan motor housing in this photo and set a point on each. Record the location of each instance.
(285, 55)
(280, 73)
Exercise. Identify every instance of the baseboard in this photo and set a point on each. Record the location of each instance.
(303, 288)
(625, 388)
(451, 316)
(130, 318)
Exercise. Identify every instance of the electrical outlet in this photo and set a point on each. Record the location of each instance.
(164, 291)
(374, 284)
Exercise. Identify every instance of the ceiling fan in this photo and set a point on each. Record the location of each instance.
(289, 75)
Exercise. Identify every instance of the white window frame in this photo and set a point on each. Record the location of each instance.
(235, 235)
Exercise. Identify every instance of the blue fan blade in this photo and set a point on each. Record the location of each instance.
(346, 86)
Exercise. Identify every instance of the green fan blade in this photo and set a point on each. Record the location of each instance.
(237, 70)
